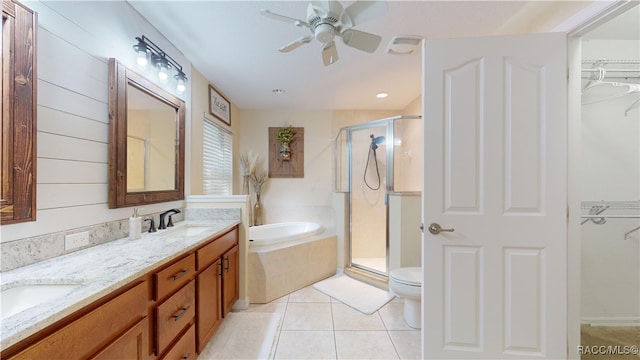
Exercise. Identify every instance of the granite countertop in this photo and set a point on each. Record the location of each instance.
(98, 270)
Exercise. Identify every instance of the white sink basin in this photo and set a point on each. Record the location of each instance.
(22, 297)
(184, 231)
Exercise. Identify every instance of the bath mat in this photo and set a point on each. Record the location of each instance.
(363, 297)
(243, 336)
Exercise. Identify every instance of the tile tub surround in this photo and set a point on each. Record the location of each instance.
(100, 270)
(280, 269)
(27, 251)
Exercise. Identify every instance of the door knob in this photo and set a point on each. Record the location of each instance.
(436, 229)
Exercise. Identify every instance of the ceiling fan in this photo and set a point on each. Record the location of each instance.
(328, 19)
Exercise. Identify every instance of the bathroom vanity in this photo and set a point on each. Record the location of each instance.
(162, 296)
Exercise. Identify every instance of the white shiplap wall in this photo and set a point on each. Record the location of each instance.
(75, 40)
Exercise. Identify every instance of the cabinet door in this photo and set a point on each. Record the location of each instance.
(208, 302)
(229, 279)
(133, 344)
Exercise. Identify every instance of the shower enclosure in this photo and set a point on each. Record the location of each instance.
(379, 165)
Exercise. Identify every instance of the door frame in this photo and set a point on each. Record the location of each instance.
(586, 20)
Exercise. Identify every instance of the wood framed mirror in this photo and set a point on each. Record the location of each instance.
(19, 114)
(146, 140)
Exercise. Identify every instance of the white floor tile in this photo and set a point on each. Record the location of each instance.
(392, 316)
(308, 316)
(407, 343)
(272, 307)
(346, 318)
(306, 345)
(243, 336)
(308, 295)
(316, 326)
(364, 345)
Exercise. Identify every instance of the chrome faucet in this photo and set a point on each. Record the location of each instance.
(161, 224)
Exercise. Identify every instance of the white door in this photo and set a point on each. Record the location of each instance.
(495, 143)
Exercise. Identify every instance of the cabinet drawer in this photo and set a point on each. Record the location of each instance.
(173, 315)
(88, 334)
(174, 276)
(185, 348)
(212, 251)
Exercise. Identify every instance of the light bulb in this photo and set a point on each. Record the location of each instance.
(180, 88)
(162, 75)
(142, 59)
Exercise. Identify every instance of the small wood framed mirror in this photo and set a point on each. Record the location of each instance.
(146, 140)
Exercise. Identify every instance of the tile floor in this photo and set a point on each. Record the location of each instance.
(316, 326)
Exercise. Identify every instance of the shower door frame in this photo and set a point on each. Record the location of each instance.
(388, 123)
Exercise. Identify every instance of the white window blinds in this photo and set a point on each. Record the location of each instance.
(217, 159)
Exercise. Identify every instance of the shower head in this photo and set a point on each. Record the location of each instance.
(375, 141)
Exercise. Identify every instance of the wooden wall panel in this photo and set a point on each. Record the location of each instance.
(279, 168)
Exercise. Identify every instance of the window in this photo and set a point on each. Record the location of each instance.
(217, 159)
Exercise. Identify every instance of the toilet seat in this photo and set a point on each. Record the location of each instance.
(411, 276)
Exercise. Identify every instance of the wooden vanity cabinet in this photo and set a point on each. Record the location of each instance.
(169, 313)
(115, 327)
(217, 284)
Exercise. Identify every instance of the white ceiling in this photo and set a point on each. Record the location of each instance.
(235, 47)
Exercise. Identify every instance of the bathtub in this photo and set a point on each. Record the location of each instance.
(271, 234)
(285, 257)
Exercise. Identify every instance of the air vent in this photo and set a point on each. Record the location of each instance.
(403, 44)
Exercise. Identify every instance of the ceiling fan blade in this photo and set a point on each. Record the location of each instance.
(363, 11)
(295, 44)
(326, 8)
(274, 16)
(361, 40)
(329, 53)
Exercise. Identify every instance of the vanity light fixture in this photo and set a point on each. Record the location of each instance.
(148, 52)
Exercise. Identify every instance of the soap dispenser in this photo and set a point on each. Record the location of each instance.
(135, 225)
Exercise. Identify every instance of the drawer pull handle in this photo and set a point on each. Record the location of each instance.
(180, 274)
(226, 267)
(186, 357)
(220, 274)
(180, 314)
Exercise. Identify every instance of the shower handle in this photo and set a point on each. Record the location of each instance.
(436, 229)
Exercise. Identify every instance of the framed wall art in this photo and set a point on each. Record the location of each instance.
(219, 106)
(287, 163)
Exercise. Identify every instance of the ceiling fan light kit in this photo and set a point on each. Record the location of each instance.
(328, 19)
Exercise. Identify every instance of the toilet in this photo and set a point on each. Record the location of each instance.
(406, 282)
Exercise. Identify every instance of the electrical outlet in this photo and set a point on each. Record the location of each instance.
(77, 240)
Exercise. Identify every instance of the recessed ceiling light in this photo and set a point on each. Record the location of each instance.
(382, 95)
(277, 91)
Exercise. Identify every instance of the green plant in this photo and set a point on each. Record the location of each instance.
(285, 134)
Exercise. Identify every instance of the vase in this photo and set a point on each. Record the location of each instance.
(257, 211)
(285, 152)
(245, 185)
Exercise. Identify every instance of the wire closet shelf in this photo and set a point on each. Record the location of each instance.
(598, 212)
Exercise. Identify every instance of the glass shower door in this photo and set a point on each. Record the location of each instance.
(368, 188)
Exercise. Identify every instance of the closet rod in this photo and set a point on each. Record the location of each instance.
(610, 216)
(610, 61)
(612, 70)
